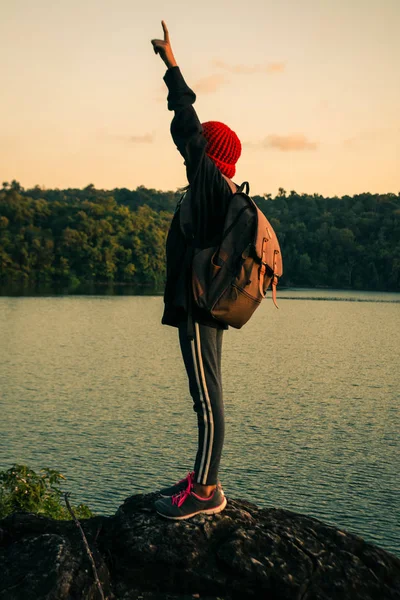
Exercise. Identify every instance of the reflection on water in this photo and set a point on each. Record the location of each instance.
(94, 386)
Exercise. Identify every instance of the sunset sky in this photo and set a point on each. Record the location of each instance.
(311, 87)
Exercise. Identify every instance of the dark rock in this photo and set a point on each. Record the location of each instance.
(243, 553)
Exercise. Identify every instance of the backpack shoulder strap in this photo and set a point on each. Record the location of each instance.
(244, 187)
(178, 204)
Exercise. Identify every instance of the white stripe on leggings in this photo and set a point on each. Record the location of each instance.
(196, 370)
(208, 440)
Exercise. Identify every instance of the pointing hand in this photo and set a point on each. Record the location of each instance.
(163, 48)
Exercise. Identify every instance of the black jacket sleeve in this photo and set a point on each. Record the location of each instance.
(209, 191)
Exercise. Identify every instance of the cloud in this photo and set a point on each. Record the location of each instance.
(295, 142)
(372, 135)
(287, 143)
(210, 84)
(274, 67)
(146, 138)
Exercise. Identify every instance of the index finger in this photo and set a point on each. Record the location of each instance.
(166, 34)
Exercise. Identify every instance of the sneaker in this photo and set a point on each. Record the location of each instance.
(167, 492)
(187, 504)
(177, 487)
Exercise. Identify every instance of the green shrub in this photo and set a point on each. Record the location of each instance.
(21, 489)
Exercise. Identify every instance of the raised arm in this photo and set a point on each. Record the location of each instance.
(186, 129)
(210, 192)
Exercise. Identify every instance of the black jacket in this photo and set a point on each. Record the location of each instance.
(202, 210)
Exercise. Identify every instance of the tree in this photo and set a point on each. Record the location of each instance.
(89, 235)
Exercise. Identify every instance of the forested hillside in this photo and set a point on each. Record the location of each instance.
(89, 235)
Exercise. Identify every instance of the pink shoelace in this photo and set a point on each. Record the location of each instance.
(180, 497)
(190, 476)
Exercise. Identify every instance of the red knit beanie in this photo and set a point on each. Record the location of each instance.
(223, 146)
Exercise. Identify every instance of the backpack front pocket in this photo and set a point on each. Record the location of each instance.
(235, 306)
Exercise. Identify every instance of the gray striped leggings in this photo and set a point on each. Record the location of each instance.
(202, 358)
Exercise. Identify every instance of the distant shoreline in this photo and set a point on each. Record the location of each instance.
(127, 289)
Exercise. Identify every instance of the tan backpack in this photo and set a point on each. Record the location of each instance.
(231, 279)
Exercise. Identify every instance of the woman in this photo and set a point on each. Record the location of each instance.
(210, 151)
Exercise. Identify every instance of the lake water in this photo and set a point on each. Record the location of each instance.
(94, 386)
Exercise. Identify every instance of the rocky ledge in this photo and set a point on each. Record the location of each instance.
(245, 552)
